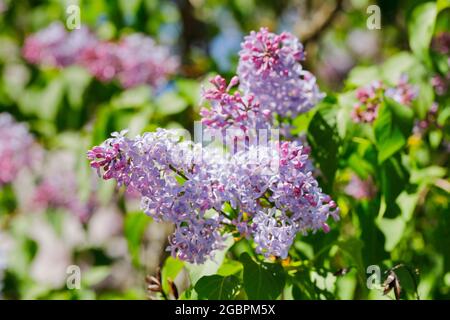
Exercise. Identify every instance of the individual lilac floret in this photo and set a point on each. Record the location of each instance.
(18, 149)
(361, 189)
(144, 62)
(273, 233)
(56, 47)
(269, 68)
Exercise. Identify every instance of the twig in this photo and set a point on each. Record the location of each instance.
(319, 22)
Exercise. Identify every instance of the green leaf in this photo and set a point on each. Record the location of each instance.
(392, 128)
(210, 267)
(262, 281)
(189, 90)
(388, 136)
(324, 140)
(311, 285)
(50, 100)
(353, 249)
(360, 76)
(442, 5)
(134, 227)
(217, 287)
(170, 270)
(373, 250)
(133, 98)
(76, 81)
(421, 28)
(394, 178)
(95, 275)
(229, 268)
(397, 65)
(170, 103)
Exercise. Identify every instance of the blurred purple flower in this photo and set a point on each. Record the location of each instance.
(101, 60)
(403, 92)
(56, 47)
(18, 149)
(441, 43)
(58, 187)
(361, 189)
(371, 96)
(144, 62)
(135, 60)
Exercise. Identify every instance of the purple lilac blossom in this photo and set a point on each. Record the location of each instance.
(422, 125)
(361, 189)
(370, 98)
(273, 234)
(144, 62)
(18, 149)
(269, 185)
(275, 175)
(152, 164)
(58, 187)
(403, 92)
(102, 61)
(56, 47)
(135, 60)
(235, 117)
(269, 68)
(441, 43)
(441, 84)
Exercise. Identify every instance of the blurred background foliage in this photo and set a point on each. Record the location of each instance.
(405, 221)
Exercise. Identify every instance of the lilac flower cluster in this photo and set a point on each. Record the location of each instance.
(232, 114)
(370, 98)
(265, 192)
(361, 189)
(18, 149)
(155, 163)
(57, 187)
(134, 60)
(272, 84)
(441, 45)
(54, 46)
(269, 68)
(421, 126)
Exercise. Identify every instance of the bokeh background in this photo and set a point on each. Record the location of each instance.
(56, 212)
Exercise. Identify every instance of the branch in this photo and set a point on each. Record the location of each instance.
(320, 21)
